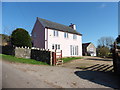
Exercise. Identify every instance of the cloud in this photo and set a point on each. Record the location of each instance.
(103, 5)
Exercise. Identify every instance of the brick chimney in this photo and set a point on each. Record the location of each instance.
(73, 26)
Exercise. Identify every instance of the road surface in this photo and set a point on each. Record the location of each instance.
(16, 75)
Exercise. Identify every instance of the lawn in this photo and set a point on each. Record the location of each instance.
(21, 60)
(67, 59)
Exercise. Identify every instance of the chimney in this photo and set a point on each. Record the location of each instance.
(73, 26)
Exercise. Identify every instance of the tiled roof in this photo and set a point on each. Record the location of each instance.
(84, 45)
(57, 26)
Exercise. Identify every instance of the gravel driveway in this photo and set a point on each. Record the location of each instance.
(66, 76)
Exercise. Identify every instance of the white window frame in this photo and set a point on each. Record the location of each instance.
(55, 33)
(73, 50)
(65, 35)
(56, 46)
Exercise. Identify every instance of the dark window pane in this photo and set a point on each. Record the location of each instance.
(53, 46)
(58, 46)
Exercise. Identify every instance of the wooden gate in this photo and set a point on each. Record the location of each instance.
(57, 57)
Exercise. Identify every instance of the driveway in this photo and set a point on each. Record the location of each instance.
(70, 75)
(88, 61)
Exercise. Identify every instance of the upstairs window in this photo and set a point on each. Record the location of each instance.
(74, 36)
(55, 33)
(65, 35)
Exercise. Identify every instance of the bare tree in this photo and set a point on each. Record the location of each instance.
(104, 46)
(106, 42)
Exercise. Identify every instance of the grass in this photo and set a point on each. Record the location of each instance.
(21, 60)
(67, 59)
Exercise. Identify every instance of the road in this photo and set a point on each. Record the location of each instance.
(15, 78)
(16, 75)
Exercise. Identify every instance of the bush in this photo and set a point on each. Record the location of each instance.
(20, 37)
(103, 51)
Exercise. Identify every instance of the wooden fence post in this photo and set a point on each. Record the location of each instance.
(51, 57)
(61, 54)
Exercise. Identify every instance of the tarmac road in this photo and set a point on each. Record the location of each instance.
(17, 75)
(14, 78)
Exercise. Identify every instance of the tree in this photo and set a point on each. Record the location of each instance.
(106, 42)
(118, 42)
(20, 37)
(5, 39)
(104, 46)
(103, 51)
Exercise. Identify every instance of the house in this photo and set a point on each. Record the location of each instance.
(50, 35)
(88, 49)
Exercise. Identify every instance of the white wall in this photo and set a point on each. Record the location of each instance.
(64, 42)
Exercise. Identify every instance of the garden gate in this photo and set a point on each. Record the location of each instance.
(57, 57)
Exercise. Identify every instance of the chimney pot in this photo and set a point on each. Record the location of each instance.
(73, 26)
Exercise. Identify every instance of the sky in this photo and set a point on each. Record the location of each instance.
(92, 19)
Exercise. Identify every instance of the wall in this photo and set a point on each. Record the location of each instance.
(22, 52)
(8, 50)
(38, 35)
(64, 42)
(34, 53)
(39, 55)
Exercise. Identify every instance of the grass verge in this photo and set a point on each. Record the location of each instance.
(21, 60)
(67, 59)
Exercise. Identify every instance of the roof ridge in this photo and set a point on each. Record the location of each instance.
(57, 26)
(56, 23)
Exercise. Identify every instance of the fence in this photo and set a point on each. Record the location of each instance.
(41, 55)
(9, 50)
(116, 59)
(32, 53)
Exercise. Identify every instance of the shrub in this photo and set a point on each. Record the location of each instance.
(20, 37)
(103, 51)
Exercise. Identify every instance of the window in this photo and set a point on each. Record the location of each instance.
(77, 50)
(55, 33)
(70, 49)
(73, 50)
(56, 46)
(53, 46)
(65, 35)
(74, 36)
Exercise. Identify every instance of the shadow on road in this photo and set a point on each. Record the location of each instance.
(100, 74)
(99, 67)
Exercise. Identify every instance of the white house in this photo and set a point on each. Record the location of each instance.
(51, 35)
(89, 49)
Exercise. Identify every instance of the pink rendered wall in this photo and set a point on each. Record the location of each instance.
(39, 40)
